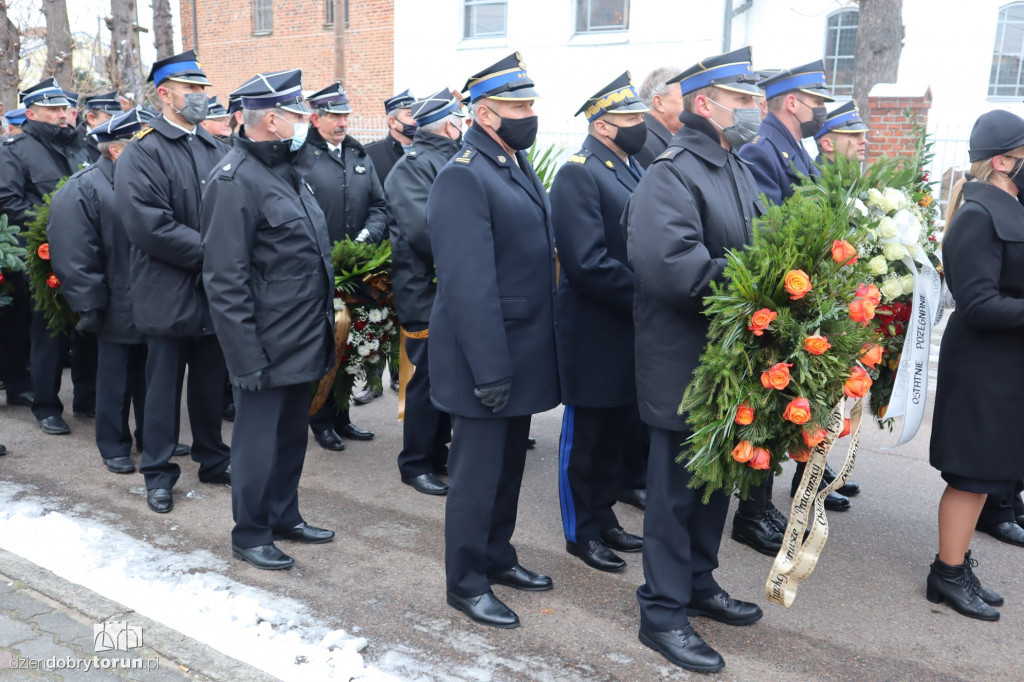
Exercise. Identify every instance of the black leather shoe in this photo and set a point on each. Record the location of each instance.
(684, 647)
(354, 432)
(850, 488)
(394, 385)
(229, 413)
(119, 465)
(531, 443)
(54, 426)
(428, 484)
(1020, 520)
(621, 541)
(3, 450)
(267, 557)
(521, 578)
(596, 555)
(305, 533)
(837, 502)
(1007, 531)
(485, 609)
(757, 532)
(160, 500)
(84, 414)
(988, 595)
(223, 478)
(834, 501)
(180, 450)
(953, 585)
(330, 440)
(777, 518)
(366, 396)
(634, 497)
(21, 399)
(725, 609)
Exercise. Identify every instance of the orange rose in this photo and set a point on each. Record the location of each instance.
(52, 281)
(743, 451)
(858, 384)
(926, 200)
(760, 320)
(843, 252)
(43, 251)
(797, 283)
(871, 354)
(814, 436)
(762, 459)
(777, 376)
(862, 310)
(798, 411)
(799, 454)
(744, 414)
(846, 428)
(869, 292)
(817, 344)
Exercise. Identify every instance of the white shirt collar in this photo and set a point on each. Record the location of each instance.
(332, 147)
(190, 132)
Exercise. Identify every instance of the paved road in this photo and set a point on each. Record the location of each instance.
(861, 616)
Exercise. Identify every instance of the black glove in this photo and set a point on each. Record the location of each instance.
(90, 322)
(250, 382)
(494, 395)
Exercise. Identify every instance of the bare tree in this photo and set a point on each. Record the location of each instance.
(60, 45)
(880, 35)
(10, 49)
(124, 64)
(163, 29)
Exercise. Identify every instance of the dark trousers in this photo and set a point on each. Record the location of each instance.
(267, 451)
(485, 471)
(589, 463)
(1002, 508)
(637, 444)
(426, 430)
(681, 537)
(47, 361)
(120, 383)
(15, 326)
(166, 358)
(328, 417)
(759, 497)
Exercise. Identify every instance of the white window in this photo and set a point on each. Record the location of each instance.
(597, 16)
(329, 12)
(1006, 78)
(262, 16)
(840, 49)
(484, 18)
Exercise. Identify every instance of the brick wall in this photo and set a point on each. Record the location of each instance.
(891, 130)
(230, 54)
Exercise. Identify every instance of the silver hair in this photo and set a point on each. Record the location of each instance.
(253, 118)
(437, 127)
(104, 147)
(655, 84)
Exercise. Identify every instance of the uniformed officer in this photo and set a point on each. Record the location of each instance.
(72, 98)
(386, 151)
(426, 431)
(97, 109)
(664, 104)
(31, 165)
(493, 316)
(160, 177)
(89, 254)
(844, 133)
(15, 120)
(796, 109)
(595, 302)
(346, 187)
(218, 120)
(695, 203)
(268, 274)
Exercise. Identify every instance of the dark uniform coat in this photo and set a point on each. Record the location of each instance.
(160, 178)
(682, 218)
(31, 166)
(385, 153)
(594, 302)
(777, 160)
(493, 317)
(657, 141)
(267, 266)
(412, 263)
(981, 366)
(88, 142)
(89, 250)
(347, 189)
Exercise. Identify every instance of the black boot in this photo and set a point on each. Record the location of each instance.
(990, 597)
(953, 585)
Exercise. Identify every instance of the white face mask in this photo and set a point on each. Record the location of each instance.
(299, 131)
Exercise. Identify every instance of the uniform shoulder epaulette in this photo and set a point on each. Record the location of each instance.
(411, 153)
(580, 156)
(669, 154)
(229, 164)
(757, 138)
(466, 156)
(142, 133)
(12, 140)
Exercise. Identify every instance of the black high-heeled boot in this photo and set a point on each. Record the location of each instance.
(990, 597)
(953, 585)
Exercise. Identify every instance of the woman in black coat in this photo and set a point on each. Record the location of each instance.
(981, 362)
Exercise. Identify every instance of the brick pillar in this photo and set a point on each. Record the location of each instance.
(891, 130)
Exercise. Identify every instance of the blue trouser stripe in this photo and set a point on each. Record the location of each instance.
(564, 489)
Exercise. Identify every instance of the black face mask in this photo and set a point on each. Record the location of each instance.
(408, 129)
(630, 139)
(817, 122)
(1017, 175)
(517, 133)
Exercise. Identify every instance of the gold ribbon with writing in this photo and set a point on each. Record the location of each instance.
(342, 324)
(405, 367)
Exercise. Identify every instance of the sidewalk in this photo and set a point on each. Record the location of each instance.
(47, 632)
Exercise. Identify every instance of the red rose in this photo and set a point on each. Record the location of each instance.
(52, 281)
(360, 325)
(762, 459)
(1, 278)
(43, 251)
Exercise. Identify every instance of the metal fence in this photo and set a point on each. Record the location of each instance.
(950, 162)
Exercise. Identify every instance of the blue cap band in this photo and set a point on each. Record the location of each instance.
(705, 79)
(839, 122)
(782, 86)
(483, 87)
(439, 114)
(270, 101)
(165, 72)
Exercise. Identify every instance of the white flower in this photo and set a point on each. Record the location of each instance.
(374, 344)
(375, 315)
(907, 282)
(363, 350)
(910, 226)
(384, 313)
(859, 205)
(891, 289)
(339, 304)
(893, 200)
(874, 197)
(888, 230)
(388, 326)
(894, 251)
(878, 266)
(352, 369)
(373, 358)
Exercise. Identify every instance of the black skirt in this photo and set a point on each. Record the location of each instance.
(980, 486)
